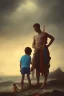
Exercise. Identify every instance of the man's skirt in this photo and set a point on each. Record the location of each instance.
(41, 60)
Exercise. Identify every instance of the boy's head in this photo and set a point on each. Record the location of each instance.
(36, 27)
(28, 50)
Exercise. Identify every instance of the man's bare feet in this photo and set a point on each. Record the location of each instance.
(37, 84)
(43, 86)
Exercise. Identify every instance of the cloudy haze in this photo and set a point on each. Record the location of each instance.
(16, 32)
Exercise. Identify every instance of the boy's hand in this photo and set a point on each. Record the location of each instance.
(20, 70)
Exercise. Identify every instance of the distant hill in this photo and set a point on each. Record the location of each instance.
(57, 74)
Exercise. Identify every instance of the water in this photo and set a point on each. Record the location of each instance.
(6, 82)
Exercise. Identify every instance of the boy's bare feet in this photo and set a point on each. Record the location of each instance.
(29, 86)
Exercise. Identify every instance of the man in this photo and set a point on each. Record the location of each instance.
(41, 56)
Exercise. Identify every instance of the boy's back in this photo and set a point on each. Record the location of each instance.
(25, 61)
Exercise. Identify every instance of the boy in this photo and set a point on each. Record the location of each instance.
(25, 62)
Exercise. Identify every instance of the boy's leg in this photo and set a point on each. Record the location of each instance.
(37, 76)
(22, 81)
(29, 81)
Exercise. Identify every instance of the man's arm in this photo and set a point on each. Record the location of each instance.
(51, 39)
(30, 60)
(33, 44)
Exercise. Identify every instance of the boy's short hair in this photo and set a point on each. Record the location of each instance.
(28, 50)
(36, 25)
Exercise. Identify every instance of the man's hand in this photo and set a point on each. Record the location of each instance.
(48, 45)
(31, 69)
(51, 39)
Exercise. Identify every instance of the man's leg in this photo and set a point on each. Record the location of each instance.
(22, 81)
(46, 74)
(45, 79)
(37, 76)
(33, 61)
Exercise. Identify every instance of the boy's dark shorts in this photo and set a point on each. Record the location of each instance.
(25, 70)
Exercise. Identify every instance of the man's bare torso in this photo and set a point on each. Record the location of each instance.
(39, 40)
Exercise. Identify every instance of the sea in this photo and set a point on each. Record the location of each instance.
(6, 82)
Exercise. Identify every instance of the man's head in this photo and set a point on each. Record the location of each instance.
(28, 50)
(36, 27)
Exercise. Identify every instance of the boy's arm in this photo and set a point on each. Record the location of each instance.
(20, 66)
(51, 39)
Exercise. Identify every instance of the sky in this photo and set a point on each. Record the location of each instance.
(16, 31)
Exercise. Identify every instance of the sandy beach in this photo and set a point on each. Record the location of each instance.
(54, 88)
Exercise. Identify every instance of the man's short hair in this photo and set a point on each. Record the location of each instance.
(36, 25)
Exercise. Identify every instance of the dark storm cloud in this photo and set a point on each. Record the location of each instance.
(54, 15)
(56, 10)
(7, 7)
(49, 12)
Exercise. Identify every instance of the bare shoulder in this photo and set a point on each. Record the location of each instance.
(48, 35)
(44, 33)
